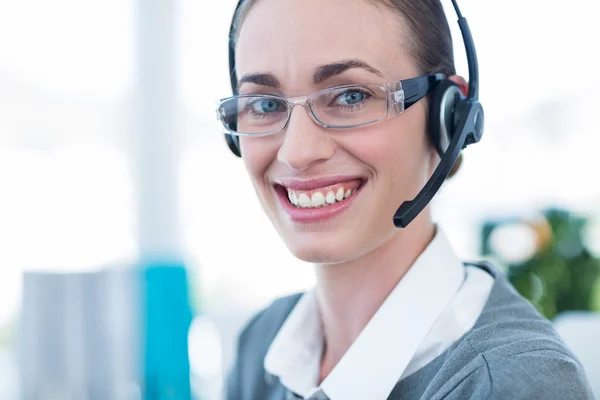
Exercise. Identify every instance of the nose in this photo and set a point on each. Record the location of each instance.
(305, 143)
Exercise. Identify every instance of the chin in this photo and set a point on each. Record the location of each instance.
(320, 255)
(325, 247)
(339, 238)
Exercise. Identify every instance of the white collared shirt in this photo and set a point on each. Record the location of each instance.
(433, 305)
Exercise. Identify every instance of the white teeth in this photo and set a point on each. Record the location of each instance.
(303, 200)
(317, 199)
(330, 198)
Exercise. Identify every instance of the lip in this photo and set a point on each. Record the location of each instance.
(315, 215)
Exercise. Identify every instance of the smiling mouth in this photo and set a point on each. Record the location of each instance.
(321, 197)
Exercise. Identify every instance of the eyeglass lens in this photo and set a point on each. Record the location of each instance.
(336, 107)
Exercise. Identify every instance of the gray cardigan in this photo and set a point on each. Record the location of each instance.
(512, 352)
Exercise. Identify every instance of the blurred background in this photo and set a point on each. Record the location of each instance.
(132, 247)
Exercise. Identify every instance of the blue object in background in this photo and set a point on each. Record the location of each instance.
(167, 318)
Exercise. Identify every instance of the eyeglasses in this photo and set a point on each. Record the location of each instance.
(340, 107)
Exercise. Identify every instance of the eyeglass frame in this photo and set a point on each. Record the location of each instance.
(400, 95)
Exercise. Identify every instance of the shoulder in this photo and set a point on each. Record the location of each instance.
(510, 325)
(247, 374)
(543, 374)
(517, 353)
(522, 356)
(264, 325)
(512, 351)
(549, 373)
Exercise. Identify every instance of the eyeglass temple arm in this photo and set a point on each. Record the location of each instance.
(417, 88)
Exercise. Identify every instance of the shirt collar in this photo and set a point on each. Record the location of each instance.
(378, 357)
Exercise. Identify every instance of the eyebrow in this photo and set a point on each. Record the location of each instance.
(321, 73)
(259, 78)
(327, 71)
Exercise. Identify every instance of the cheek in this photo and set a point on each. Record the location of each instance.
(397, 150)
(258, 153)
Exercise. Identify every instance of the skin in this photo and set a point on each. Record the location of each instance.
(358, 256)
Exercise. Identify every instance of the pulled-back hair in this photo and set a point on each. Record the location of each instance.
(429, 41)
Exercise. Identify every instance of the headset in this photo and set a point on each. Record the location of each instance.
(454, 122)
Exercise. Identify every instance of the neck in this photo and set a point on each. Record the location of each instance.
(350, 293)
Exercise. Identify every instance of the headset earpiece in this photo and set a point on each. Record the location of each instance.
(444, 114)
(233, 142)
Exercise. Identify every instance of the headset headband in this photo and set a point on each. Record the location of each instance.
(469, 129)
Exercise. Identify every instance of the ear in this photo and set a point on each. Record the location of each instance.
(462, 84)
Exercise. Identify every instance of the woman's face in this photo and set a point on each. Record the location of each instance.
(380, 165)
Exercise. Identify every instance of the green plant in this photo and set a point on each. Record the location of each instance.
(561, 274)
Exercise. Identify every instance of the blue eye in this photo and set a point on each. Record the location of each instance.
(266, 106)
(350, 98)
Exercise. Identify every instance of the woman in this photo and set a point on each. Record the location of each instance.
(394, 313)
